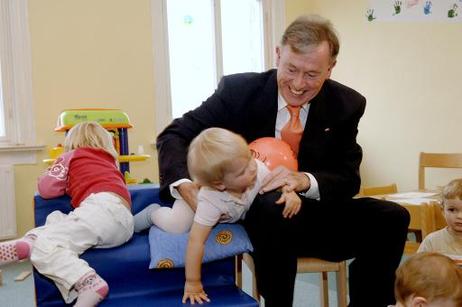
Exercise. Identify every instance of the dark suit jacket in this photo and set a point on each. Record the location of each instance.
(247, 104)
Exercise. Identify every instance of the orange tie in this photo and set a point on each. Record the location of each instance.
(292, 132)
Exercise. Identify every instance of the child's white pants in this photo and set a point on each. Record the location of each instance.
(177, 219)
(101, 221)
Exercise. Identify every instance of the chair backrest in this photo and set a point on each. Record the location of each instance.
(378, 190)
(440, 221)
(437, 160)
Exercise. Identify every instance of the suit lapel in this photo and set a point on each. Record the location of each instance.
(318, 116)
(264, 111)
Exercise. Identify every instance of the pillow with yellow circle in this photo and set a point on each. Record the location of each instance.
(168, 249)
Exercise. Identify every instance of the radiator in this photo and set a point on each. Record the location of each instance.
(7, 203)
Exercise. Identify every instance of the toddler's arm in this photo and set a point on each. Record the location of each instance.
(53, 182)
(193, 289)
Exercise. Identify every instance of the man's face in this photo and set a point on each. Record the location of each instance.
(301, 75)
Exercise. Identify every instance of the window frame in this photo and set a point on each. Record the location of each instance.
(18, 146)
(273, 23)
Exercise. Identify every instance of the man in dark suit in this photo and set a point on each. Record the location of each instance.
(330, 225)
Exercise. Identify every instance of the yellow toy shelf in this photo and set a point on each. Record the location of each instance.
(123, 158)
(108, 118)
(133, 158)
(114, 120)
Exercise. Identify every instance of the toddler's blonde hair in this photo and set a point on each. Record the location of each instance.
(453, 190)
(211, 153)
(429, 275)
(89, 134)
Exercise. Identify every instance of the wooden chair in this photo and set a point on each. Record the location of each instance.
(378, 190)
(431, 215)
(305, 265)
(437, 160)
(422, 222)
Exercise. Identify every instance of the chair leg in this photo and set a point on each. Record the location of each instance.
(238, 270)
(324, 290)
(342, 285)
(255, 293)
(249, 262)
(418, 235)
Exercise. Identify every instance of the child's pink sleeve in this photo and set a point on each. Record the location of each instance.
(53, 182)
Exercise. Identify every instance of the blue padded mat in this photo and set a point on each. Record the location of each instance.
(125, 268)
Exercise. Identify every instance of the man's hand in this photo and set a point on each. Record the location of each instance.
(293, 203)
(194, 292)
(188, 190)
(283, 177)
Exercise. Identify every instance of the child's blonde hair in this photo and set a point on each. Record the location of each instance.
(453, 190)
(211, 153)
(431, 276)
(89, 134)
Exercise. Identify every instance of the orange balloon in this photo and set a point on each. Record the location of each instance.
(274, 152)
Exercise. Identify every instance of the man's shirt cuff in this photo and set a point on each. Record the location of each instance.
(313, 191)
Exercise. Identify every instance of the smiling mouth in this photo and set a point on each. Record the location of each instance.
(295, 92)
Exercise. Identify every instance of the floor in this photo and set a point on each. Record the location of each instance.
(17, 293)
(307, 292)
(21, 293)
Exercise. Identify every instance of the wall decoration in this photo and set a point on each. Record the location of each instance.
(414, 10)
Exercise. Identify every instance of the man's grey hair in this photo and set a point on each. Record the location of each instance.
(308, 31)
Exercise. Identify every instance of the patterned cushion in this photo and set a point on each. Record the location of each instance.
(168, 250)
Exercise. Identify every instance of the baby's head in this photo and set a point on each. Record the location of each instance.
(428, 279)
(452, 204)
(89, 134)
(453, 190)
(214, 153)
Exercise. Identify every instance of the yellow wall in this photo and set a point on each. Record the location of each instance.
(89, 53)
(98, 53)
(410, 73)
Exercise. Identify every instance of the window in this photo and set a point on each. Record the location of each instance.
(16, 113)
(2, 112)
(197, 42)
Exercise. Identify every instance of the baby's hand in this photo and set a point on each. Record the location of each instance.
(194, 292)
(293, 203)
